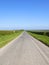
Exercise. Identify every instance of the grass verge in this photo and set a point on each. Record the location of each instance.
(4, 39)
(42, 38)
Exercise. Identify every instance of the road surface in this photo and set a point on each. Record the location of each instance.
(24, 50)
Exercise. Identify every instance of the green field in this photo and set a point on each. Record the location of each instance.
(7, 36)
(40, 36)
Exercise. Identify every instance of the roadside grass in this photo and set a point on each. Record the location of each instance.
(42, 38)
(5, 38)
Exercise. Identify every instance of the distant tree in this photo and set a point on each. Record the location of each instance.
(44, 33)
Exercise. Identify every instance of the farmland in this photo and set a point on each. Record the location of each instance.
(7, 36)
(43, 36)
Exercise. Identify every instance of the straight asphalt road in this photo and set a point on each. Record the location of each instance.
(24, 50)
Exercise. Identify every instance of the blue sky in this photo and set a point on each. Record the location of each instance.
(24, 14)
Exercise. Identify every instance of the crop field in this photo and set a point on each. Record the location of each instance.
(7, 36)
(43, 36)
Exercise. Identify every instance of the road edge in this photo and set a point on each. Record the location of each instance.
(42, 53)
